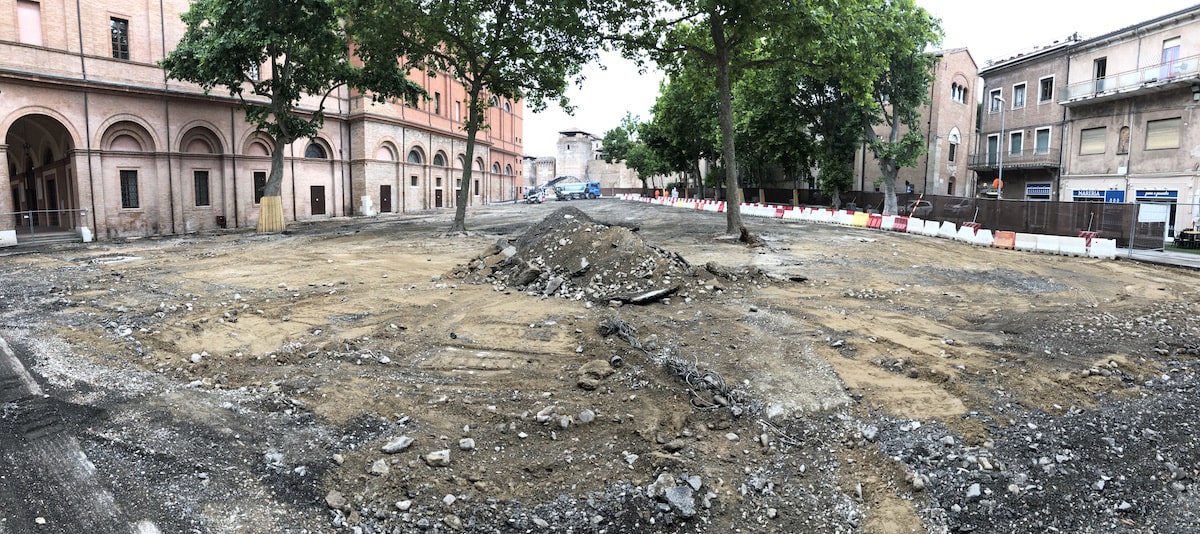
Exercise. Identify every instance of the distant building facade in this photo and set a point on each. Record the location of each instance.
(1021, 133)
(96, 139)
(1118, 112)
(581, 154)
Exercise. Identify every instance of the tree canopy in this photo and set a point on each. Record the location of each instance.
(279, 52)
(797, 85)
(509, 49)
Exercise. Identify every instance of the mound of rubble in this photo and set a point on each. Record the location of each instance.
(569, 255)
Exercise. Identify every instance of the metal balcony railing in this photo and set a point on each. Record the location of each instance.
(1176, 71)
(1026, 159)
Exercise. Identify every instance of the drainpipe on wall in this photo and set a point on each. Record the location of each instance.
(167, 104)
(170, 173)
(233, 151)
(87, 121)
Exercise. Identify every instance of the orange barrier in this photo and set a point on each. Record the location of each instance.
(874, 221)
(1005, 239)
(901, 224)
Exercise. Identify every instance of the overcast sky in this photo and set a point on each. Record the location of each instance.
(990, 30)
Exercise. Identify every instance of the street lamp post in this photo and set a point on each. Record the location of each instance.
(1000, 147)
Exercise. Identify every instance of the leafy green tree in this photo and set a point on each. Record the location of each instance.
(885, 43)
(306, 52)
(683, 129)
(509, 49)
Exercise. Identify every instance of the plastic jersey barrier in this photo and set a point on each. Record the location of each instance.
(1005, 239)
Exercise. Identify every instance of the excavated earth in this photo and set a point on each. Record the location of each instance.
(605, 367)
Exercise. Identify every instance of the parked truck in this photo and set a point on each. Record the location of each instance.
(577, 190)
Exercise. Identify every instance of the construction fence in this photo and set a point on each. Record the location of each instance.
(1142, 225)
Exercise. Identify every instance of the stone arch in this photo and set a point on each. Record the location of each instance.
(127, 136)
(46, 187)
(200, 134)
(508, 170)
(256, 144)
(479, 164)
(136, 128)
(72, 134)
(386, 151)
(439, 159)
(317, 148)
(416, 154)
(495, 167)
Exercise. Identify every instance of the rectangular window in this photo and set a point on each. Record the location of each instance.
(1099, 72)
(29, 22)
(1042, 141)
(458, 110)
(412, 181)
(201, 180)
(1016, 143)
(993, 148)
(1091, 140)
(129, 189)
(437, 103)
(1018, 96)
(120, 37)
(260, 185)
(1046, 89)
(438, 181)
(476, 187)
(994, 102)
(953, 150)
(1162, 134)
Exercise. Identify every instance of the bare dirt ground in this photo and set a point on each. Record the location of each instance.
(623, 368)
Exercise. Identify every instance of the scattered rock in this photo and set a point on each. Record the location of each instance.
(396, 445)
(379, 467)
(438, 458)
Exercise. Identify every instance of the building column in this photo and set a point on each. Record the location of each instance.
(8, 221)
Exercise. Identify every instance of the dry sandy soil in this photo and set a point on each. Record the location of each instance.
(638, 373)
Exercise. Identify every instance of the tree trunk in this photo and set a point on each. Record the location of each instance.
(270, 208)
(464, 193)
(733, 211)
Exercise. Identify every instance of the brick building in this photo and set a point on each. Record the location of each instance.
(948, 124)
(97, 139)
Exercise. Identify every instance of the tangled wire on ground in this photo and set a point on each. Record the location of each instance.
(708, 381)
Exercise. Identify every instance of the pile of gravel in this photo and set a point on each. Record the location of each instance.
(569, 255)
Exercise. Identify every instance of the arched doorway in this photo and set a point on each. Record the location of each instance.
(42, 178)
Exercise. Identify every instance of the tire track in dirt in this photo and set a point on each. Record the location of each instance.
(42, 455)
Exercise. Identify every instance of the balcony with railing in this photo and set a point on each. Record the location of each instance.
(1026, 159)
(1144, 80)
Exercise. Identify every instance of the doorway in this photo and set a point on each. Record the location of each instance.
(437, 198)
(385, 199)
(317, 194)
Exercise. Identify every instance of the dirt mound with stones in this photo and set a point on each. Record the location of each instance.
(570, 255)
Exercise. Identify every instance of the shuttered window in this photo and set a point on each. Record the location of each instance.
(1091, 140)
(1162, 134)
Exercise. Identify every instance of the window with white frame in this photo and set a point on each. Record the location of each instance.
(1016, 143)
(1018, 96)
(994, 101)
(1046, 89)
(1041, 141)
